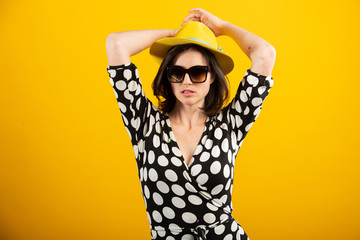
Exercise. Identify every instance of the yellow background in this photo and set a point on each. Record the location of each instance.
(67, 170)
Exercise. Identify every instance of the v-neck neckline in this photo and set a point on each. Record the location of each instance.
(173, 138)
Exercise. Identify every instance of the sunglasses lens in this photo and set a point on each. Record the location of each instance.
(175, 74)
(198, 74)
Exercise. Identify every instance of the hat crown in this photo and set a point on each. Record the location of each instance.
(199, 32)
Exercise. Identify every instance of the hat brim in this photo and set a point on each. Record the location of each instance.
(160, 48)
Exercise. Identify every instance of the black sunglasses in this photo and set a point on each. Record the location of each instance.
(197, 74)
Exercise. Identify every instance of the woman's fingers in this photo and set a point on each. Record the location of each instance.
(192, 15)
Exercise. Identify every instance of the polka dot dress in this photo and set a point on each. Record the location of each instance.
(192, 201)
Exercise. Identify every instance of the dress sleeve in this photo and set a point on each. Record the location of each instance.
(245, 107)
(132, 101)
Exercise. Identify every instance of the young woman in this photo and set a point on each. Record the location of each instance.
(186, 148)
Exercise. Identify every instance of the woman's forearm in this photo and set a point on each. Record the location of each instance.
(121, 45)
(253, 46)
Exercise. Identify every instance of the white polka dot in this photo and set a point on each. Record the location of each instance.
(122, 107)
(132, 86)
(162, 160)
(160, 231)
(233, 139)
(138, 102)
(151, 157)
(216, 190)
(198, 150)
(241, 230)
(224, 199)
(252, 80)
(204, 156)
(195, 200)
(177, 162)
(178, 202)
(227, 186)
(128, 96)
(202, 178)
(121, 85)
(178, 190)
(219, 229)
(247, 110)
(171, 175)
(218, 133)
(145, 174)
(209, 218)
(157, 128)
(136, 151)
(247, 128)
(240, 135)
(135, 123)
(168, 213)
(189, 217)
(212, 207)
(243, 96)
(224, 217)
(174, 229)
(162, 186)
(225, 145)
(238, 107)
(261, 90)
(215, 152)
(234, 226)
(153, 176)
(153, 234)
(190, 187)
(156, 141)
(249, 90)
(215, 167)
(208, 143)
(228, 237)
(226, 171)
(196, 169)
(257, 111)
(238, 120)
(256, 101)
(176, 151)
(112, 73)
(157, 198)
(187, 237)
(146, 192)
(165, 148)
(230, 157)
(127, 74)
(156, 216)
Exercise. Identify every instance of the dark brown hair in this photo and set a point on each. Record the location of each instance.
(219, 90)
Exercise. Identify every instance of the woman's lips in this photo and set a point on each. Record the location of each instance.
(187, 92)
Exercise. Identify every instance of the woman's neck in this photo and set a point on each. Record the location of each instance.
(188, 117)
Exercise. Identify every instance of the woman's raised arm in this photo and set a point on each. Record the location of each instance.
(261, 53)
(121, 45)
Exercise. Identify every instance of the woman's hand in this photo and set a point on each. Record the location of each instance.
(173, 32)
(211, 21)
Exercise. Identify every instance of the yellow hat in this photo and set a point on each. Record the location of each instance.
(197, 33)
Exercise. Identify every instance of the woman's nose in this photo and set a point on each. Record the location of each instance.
(187, 79)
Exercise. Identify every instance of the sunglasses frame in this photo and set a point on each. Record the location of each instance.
(187, 71)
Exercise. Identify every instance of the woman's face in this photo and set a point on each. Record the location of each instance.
(187, 93)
